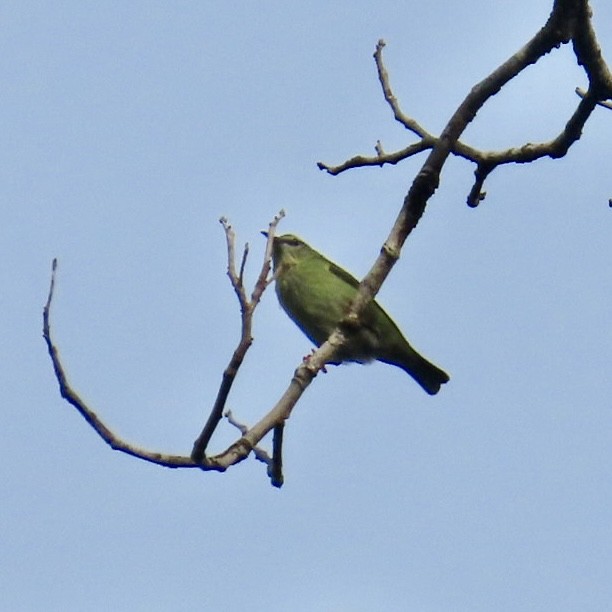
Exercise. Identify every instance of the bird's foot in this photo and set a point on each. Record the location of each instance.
(306, 359)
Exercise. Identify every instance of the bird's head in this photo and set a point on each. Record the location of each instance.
(289, 249)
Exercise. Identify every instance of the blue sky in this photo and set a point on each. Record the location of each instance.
(128, 130)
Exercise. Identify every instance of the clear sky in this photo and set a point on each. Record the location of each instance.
(128, 129)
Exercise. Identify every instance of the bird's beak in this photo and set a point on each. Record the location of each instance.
(265, 233)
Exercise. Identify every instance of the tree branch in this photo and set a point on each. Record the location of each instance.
(177, 461)
(246, 339)
(570, 20)
(66, 391)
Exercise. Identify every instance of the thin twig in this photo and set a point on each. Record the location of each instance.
(383, 77)
(198, 452)
(245, 254)
(260, 453)
(605, 103)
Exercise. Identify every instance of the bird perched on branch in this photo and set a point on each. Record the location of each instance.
(316, 294)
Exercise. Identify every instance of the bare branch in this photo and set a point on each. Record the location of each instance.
(570, 20)
(381, 159)
(276, 469)
(260, 454)
(230, 239)
(66, 391)
(245, 254)
(274, 463)
(587, 49)
(246, 338)
(263, 281)
(281, 411)
(605, 103)
(559, 28)
(423, 186)
(240, 449)
(408, 122)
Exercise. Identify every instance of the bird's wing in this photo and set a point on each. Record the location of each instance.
(343, 275)
(373, 315)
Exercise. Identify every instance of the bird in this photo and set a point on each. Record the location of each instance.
(316, 293)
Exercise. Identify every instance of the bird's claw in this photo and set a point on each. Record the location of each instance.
(306, 359)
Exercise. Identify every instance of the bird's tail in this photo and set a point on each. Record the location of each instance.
(428, 375)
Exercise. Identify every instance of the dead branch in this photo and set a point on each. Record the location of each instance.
(572, 23)
(569, 21)
(260, 454)
(198, 460)
(247, 308)
(605, 103)
(66, 391)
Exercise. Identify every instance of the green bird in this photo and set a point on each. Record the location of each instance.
(316, 294)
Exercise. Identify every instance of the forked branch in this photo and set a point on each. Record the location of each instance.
(570, 21)
(247, 308)
(198, 458)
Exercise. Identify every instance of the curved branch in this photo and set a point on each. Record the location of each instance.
(66, 391)
(178, 461)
